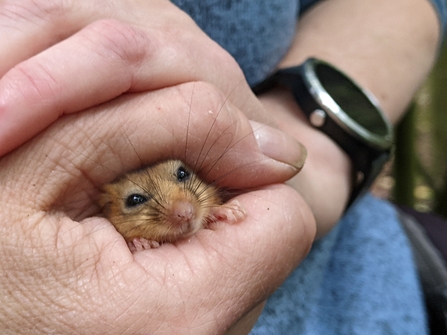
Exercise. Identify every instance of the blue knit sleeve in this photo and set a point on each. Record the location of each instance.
(441, 8)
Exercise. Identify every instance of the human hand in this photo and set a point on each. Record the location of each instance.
(60, 57)
(66, 271)
(98, 52)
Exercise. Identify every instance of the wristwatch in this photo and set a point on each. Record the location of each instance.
(343, 110)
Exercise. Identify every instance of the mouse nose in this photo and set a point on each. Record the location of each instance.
(182, 212)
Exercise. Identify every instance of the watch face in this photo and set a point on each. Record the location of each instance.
(354, 109)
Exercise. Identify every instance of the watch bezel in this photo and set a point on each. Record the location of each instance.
(337, 114)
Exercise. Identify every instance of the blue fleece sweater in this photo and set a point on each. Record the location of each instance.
(360, 279)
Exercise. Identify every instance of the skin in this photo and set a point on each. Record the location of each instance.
(101, 50)
(38, 87)
(390, 59)
(58, 256)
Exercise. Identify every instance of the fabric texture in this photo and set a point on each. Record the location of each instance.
(359, 279)
(256, 33)
(441, 9)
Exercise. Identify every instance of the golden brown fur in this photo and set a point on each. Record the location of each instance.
(160, 185)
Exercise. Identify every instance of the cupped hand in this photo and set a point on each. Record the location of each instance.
(64, 270)
(59, 57)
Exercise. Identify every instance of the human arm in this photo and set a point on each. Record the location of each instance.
(388, 48)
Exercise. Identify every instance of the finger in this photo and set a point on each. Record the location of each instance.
(27, 27)
(241, 264)
(198, 286)
(58, 174)
(91, 65)
(70, 161)
(104, 60)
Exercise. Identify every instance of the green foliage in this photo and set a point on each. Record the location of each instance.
(421, 155)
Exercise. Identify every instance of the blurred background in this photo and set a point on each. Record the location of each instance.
(417, 175)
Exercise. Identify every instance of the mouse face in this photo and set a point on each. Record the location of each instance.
(164, 202)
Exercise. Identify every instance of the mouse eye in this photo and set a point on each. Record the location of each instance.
(182, 174)
(135, 200)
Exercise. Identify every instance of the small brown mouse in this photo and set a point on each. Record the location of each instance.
(164, 203)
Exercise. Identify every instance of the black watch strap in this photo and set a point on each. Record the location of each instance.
(364, 134)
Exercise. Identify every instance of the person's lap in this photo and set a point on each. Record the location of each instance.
(359, 279)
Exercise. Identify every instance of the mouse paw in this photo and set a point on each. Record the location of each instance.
(231, 212)
(140, 244)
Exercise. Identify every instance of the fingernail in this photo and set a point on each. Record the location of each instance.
(279, 146)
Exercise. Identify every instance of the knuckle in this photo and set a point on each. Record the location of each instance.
(118, 40)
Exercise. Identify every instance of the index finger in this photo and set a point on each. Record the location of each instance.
(103, 60)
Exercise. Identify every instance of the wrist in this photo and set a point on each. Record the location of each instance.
(326, 179)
